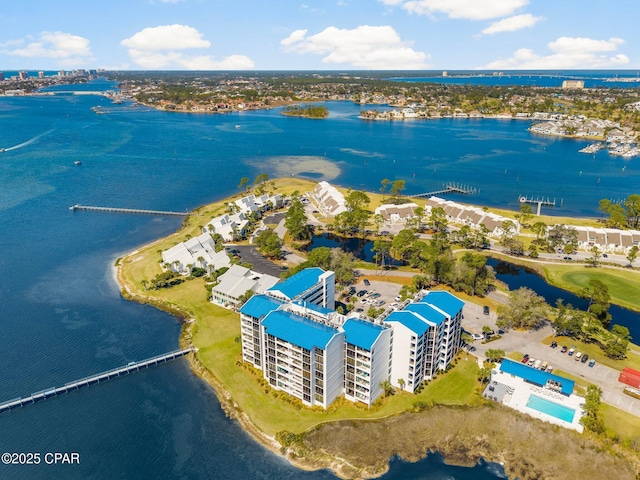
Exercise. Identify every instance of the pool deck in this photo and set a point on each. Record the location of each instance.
(514, 392)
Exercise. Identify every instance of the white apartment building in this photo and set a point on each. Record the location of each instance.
(316, 354)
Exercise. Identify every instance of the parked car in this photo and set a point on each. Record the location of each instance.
(584, 358)
(485, 310)
(477, 336)
(604, 255)
(375, 295)
(549, 369)
(553, 344)
(361, 293)
(531, 362)
(525, 359)
(367, 282)
(564, 349)
(592, 362)
(571, 350)
(577, 356)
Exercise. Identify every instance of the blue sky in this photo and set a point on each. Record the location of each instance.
(319, 34)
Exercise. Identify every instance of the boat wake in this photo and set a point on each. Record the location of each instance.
(28, 142)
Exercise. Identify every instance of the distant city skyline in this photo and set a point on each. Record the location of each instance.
(319, 35)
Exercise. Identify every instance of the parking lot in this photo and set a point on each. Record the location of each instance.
(260, 264)
(387, 292)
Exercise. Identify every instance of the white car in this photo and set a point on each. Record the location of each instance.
(477, 336)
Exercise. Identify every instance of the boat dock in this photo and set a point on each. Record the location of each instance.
(537, 201)
(449, 188)
(84, 382)
(77, 206)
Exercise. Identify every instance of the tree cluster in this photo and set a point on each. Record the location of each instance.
(525, 309)
(296, 221)
(622, 215)
(340, 262)
(269, 244)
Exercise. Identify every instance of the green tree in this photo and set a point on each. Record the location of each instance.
(384, 185)
(397, 187)
(260, 183)
(378, 220)
(595, 256)
(381, 249)
(540, 229)
(526, 213)
(387, 388)
(591, 419)
(525, 309)
(632, 255)
(356, 216)
(296, 221)
(494, 354)
(599, 300)
(617, 343)
(403, 244)
(244, 183)
(438, 219)
(269, 244)
(632, 210)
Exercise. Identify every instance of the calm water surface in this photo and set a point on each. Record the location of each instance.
(62, 316)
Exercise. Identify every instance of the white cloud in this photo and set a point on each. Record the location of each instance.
(161, 47)
(166, 37)
(568, 52)
(67, 48)
(368, 47)
(512, 24)
(465, 9)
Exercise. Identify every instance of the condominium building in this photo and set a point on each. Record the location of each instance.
(426, 338)
(312, 285)
(312, 352)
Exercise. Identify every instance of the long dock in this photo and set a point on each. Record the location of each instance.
(540, 201)
(77, 206)
(84, 382)
(449, 188)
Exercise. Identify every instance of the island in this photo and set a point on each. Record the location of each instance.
(307, 111)
(449, 414)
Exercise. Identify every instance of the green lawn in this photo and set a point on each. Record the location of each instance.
(621, 424)
(623, 285)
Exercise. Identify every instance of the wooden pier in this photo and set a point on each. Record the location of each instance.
(449, 188)
(84, 382)
(537, 201)
(77, 206)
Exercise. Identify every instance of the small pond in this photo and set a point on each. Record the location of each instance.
(360, 249)
(515, 276)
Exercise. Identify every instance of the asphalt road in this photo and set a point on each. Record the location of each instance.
(260, 263)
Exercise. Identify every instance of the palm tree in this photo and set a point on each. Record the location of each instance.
(401, 382)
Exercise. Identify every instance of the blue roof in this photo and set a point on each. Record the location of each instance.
(409, 320)
(297, 330)
(445, 301)
(298, 283)
(360, 333)
(259, 305)
(427, 312)
(535, 376)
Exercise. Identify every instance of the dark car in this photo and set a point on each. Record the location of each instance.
(367, 282)
(352, 290)
(604, 255)
(553, 344)
(584, 358)
(485, 310)
(361, 293)
(564, 349)
(525, 359)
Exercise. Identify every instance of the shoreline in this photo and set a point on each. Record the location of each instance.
(308, 457)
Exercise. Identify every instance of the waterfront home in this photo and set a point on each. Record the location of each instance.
(608, 240)
(236, 282)
(250, 204)
(199, 252)
(230, 227)
(472, 216)
(329, 200)
(394, 214)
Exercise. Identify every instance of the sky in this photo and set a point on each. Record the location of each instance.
(320, 34)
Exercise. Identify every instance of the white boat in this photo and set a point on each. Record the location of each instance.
(77, 162)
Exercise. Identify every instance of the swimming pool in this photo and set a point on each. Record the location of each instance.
(551, 408)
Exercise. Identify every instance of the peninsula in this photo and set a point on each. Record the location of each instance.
(338, 437)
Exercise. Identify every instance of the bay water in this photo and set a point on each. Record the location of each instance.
(61, 314)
